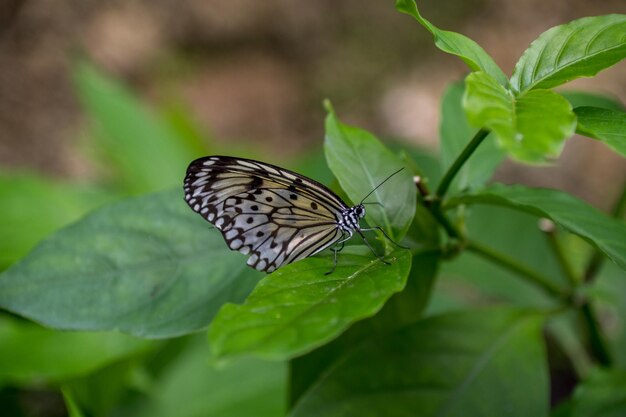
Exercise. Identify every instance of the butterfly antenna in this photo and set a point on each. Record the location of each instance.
(384, 181)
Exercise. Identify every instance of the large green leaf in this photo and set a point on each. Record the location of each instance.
(32, 207)
(456, 133)
(602, 394)
(145, 152)
(473, 363)
(602, 231)
(580, 48)
(606, 125)
(147, 266)
(299, 307)
(31, 354)
(360, 163)
(456, 44)
(530, 128)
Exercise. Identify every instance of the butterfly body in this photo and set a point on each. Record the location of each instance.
(274, 215)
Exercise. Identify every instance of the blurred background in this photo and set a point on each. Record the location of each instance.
(255, 73)
(99, 100)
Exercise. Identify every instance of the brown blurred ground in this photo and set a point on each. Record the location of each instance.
(258, 71)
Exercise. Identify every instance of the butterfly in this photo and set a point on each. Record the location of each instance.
(274, 215)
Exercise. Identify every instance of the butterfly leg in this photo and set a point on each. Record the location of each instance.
(335, 252)
(338, 248)
(386, 235)
(382, 259)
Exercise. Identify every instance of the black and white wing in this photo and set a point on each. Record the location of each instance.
(274, 215)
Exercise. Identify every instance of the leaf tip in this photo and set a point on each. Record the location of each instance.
(406, 6)
(328, 106)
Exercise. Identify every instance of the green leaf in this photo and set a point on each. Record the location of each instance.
(580, 48)
(452, 365)
(455, 134)
(469, 280)
(602, 394)
(192, 386)
(530, 128)
(602, 231)
(583, 98)
(401, 309)
(456, 44)
(360, 163)
(22, 224)
(145, 151)
(31, 354)
(606, 125)
(147, 266)
(298, 307)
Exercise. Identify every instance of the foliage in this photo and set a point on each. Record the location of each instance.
(462, 322)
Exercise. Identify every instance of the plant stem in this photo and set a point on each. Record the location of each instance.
(460, 160)
(597, 341)
(518, 268)
(547, 226)
(443, 220)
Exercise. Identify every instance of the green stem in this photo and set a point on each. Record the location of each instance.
(517, 268)
(548, 228)
(597, 341)
(443, 220)
(460, 160)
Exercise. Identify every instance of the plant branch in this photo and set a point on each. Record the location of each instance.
(521, 270)
(460, 160)
(443, 220)
(597, 341)
(547, 226)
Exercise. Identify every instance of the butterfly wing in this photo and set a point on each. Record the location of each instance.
(274, 215)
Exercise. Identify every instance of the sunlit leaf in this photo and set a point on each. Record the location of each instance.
(580, 48)
(531, 127)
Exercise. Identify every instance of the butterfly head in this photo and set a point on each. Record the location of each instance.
(359, 210)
